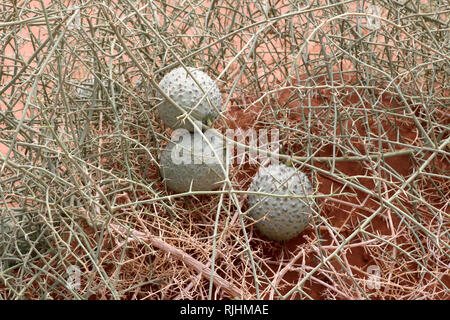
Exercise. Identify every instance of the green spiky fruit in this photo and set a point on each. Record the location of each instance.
(189, 163)
(280, 218)
(186, 93)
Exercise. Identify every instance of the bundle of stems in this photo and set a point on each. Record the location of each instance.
(357, 90)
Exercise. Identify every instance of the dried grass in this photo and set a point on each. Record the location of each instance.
(362, 108)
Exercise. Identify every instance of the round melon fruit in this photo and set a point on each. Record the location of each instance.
(187, 93)
(280, 218)
(189, 163)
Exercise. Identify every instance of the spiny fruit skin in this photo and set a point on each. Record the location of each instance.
(280, 218)
(182, 89)
(189, 158)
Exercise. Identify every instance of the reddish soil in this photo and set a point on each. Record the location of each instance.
(343, 213)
